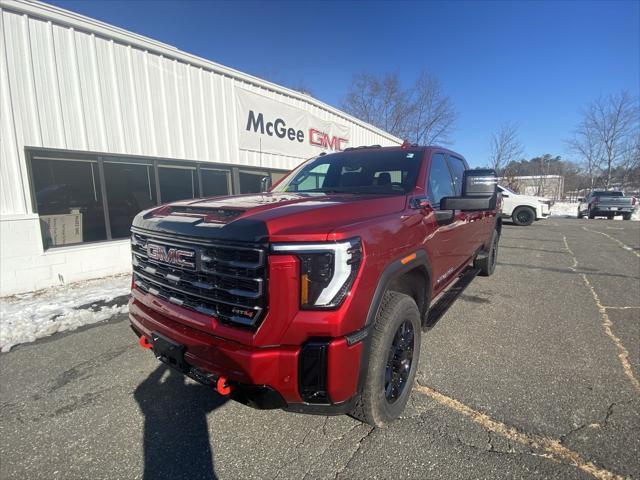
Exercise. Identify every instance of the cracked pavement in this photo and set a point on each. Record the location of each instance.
(519, 379)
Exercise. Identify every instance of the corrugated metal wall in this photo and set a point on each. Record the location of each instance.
(64, 86)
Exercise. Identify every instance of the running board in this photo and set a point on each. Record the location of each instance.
(436, 312)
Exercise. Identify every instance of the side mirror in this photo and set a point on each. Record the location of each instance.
(265, 184)
(479, 182)
(479, 192)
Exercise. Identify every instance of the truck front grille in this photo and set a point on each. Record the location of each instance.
(228, 282)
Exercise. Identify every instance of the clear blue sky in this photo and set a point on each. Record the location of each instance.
(534, 63)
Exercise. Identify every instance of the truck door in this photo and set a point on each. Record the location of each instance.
(445, 237)
(474, 224)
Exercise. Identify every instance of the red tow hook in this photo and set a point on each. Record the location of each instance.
(144, 342)
(221, 386)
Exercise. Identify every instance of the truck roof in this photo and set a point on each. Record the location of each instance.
(404, 146)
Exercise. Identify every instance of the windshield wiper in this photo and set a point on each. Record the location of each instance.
(351, 191)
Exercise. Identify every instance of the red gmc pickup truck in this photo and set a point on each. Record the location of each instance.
(312, 297)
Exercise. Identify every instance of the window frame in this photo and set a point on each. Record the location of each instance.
(232, 170)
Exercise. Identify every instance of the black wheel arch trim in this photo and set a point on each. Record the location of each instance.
(390, 273)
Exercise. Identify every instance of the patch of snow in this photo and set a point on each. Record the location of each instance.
(570, 210)
(27, 317)
(564, 209)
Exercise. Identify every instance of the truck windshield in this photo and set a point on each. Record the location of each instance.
(387, 172)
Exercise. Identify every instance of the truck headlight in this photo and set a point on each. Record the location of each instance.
(327, 270)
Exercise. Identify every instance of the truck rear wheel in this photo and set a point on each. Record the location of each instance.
(626, 216)
(393, 361)
(523, 216)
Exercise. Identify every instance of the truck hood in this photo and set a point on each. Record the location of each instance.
(258, 218)
(532, 198)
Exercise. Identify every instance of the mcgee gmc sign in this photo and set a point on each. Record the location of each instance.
(279, 129)
(267, 125)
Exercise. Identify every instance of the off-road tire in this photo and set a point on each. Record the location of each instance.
(487, 264)
(372, 406)
(591, 214)
(580, 214)
(626, 216)
(523, 216)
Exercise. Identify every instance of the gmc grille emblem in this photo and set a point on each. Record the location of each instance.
(172, 256)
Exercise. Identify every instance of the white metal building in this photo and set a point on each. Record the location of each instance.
(97, 123)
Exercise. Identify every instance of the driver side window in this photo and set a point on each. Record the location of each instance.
(440, 183)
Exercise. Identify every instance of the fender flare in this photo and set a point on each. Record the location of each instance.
(393, 271)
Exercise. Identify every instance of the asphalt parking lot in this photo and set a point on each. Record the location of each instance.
(533, 373)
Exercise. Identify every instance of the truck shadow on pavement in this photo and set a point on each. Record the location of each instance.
(176, 434)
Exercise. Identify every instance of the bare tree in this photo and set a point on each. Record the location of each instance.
(505, 146)
(434, 114)
(630, 163)
(421, 113)
(380, 101)
(614, 121)
(587, 147)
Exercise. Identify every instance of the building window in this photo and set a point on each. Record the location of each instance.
(251, 182)
(177, 183)
(130, 189)
(69, 201)
(88, 197)
(215, 182)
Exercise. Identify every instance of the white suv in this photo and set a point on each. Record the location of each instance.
(523, 209)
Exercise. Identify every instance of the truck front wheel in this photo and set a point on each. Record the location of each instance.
(393, 361)
(523, 216)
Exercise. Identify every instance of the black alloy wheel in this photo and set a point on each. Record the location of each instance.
(399, 362)
(524, 216)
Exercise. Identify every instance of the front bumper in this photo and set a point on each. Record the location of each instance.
(294, 377)
(545, 210)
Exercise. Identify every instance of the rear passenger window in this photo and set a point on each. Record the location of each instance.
(440, 184)
(457, 168)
